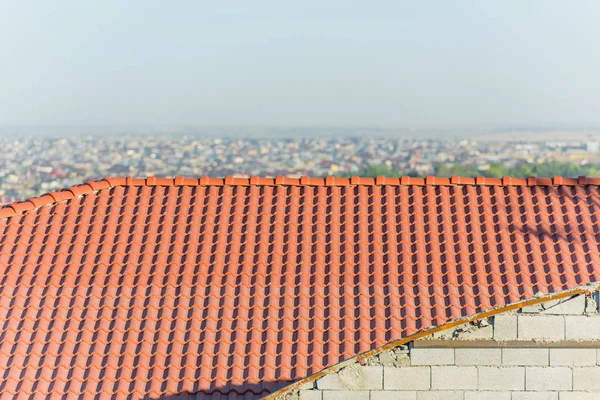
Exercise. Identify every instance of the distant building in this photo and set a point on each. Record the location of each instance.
(592, 147)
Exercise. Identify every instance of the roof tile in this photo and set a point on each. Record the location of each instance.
(238, 286)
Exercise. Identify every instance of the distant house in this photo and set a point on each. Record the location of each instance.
(309, 288)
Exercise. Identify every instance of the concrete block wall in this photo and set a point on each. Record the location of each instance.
(555, 377)
(542, 370)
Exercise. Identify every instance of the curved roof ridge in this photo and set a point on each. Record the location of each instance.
(75, 191)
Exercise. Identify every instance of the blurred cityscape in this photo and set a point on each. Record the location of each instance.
(32, 166)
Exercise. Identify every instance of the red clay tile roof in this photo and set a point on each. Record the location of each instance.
(153, 287)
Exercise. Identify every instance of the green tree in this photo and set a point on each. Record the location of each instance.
(496, 170)
(373, 171)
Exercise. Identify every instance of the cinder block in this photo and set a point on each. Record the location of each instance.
(487, 395)
(308, 386)
(452, 377)
(345, 395)
(393, 395)
(372, 377)
(311, 395)
(535, 327)
(354, 377)
(419, 356)
(471, 356)
(548, 378)
(475, 333)
(532, 309)
(330, 382)
(445, 334)
(582, 327)
(505, 327)
(586, 378)
(525, 356)
(440, 395)
(407, 378)
(576, 357)
(534, 395)
(578, 395)
(501, 378)
(572, 306)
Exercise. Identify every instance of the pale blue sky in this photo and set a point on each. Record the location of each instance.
(346, 63)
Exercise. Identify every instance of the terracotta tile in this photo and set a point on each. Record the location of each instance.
(235, 287)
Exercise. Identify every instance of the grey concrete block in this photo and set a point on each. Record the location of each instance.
(536, 327)
(345, 395)
(473, 356)
(501, 378)
(532, 309)
(525, 356)
(586, 378)
(470, 332)
(576, 357)
(445, 334)
(407, 378)
(308, 386)
(548, 378)
(579, 395)
(353, 377)
(330, 382)
(311, 395)
(453, 377)
(571, 306)
(393, 395)
(487, 395)
(423, 356)
(505, 327)
(582, 327)
(440, 395)
(534, 395)
(372, 377)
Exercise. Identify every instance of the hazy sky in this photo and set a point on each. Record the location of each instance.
(383, 63)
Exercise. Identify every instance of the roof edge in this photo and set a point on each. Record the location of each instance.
(461, 321)
(20, 207)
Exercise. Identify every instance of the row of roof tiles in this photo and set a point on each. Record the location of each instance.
(237, 291)
(335, 181)
(106, 183)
